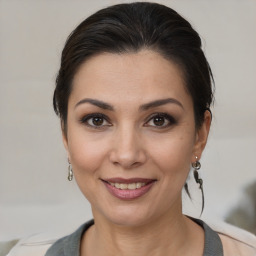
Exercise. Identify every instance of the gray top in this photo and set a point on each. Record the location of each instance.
(70, 245)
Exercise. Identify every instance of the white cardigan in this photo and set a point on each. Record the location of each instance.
(235, 241)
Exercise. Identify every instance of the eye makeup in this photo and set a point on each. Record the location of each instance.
(95, 120)
(160, 120)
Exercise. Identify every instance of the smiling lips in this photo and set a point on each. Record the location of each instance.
(128, 189)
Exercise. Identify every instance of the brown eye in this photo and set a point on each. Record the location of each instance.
(158, 121)
(97, 121)
(161, 120)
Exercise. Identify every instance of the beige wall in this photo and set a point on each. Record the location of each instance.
(35, 195)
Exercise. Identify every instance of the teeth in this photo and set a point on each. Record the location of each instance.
(132, 186)
(128, 186)
(123, 186)
(139, 184)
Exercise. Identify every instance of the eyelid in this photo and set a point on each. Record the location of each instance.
(84, 120)
(171, 120)
(167, 116)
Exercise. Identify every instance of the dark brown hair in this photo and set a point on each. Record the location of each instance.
(130, 28)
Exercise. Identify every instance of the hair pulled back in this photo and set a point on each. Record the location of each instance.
(125, 28)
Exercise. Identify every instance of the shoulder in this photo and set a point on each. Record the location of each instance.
(69, 245)
(235, 241)
(49, 244)
(35, 245)
(57, 248)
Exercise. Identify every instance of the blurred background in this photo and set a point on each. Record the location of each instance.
(35, 195)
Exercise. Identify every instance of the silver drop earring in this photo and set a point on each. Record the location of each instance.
(196, 165)
(70, 172)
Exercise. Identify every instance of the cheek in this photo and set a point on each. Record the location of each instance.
(172, 154)
(172, 159)
(87, 156)
(86, 153)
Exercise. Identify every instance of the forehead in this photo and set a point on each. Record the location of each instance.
(145, 75)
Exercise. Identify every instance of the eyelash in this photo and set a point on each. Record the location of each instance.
(170, 119)
(85, 120)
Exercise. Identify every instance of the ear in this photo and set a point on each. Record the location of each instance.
(65, 138)
(201, 136)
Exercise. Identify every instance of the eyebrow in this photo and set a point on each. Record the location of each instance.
(153, 104)
(97, 103)
(160, 102)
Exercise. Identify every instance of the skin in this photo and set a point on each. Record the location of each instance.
(129, 144)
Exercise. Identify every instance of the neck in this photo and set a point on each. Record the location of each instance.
(173, 233)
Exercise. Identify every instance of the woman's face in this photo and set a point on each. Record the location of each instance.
(131, 136)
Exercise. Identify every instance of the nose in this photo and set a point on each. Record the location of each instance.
(127, 148)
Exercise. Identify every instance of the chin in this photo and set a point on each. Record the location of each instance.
(128, 221)
(129, 216)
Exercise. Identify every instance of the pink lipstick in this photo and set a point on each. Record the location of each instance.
(128, 189)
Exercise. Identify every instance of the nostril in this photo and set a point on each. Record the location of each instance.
(126, 163)
(127, 155)
(136, 164)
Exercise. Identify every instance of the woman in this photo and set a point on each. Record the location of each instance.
(133, 94)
